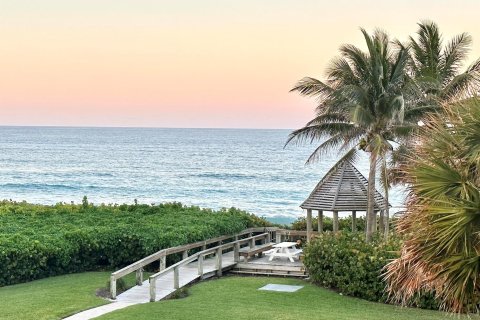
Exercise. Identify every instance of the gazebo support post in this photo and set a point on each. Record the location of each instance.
(335, 221)
(309, 224)
(387, 224)
(320, 221)
(354, 221)
(381, 222)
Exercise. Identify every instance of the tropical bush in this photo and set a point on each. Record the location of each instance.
(344, 224)
(345, 262)
(442, 224)
(38, 241)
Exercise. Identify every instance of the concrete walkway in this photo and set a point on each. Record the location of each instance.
(164, 287)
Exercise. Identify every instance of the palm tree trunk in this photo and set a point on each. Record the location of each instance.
(386, 204)
(371, 216)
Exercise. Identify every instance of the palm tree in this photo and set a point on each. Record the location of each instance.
(441, 250)
(360, 106)
(436, 78)
(436, 68)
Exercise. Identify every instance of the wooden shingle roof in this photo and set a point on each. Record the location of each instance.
(343, 188)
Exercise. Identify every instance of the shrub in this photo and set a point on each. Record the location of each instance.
(38, 241)
(344, 224)
(345, 262)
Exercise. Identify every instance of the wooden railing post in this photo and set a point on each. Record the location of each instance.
(139, 276)
(204, 246)
(185, 255)
(200, 265)
(252, 243)
(163, 262)
(269, 237)
(236, 252)
(153, 290)
(309, 225)
(219, 262)
(176, 280)
(278, 237)
(113, 287)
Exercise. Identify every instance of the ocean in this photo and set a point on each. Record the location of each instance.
(213, 168)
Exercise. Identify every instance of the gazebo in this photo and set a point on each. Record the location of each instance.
(343, 188)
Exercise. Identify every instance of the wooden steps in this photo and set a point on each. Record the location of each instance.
(292, 270)
(253, 272)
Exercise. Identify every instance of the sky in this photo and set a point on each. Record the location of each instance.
(188, 63)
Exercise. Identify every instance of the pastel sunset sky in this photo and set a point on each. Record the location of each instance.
(188, 63)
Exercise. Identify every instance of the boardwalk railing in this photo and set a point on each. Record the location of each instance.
(268, 234)
(282, 234)
(200, 257)
(161, 256)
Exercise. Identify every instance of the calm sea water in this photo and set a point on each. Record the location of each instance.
(213, 168)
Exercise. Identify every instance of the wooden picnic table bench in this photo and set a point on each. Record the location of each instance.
(248, 252)
(285, 250)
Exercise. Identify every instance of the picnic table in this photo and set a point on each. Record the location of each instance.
(284, 250)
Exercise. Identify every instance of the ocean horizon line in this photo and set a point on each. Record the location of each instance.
(140, 127)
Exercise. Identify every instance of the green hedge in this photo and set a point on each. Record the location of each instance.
(345, 262)
(345, 224)
(38, 241)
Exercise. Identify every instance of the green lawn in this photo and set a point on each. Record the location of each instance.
(238, 298)
(51, 298)
(226, 298)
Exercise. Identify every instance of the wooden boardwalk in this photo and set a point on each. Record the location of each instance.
(164, 287)
(165, 284)
(212, 258)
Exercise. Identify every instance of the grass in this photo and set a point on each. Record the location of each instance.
(52, 298)
(238, 298)
(225, 298)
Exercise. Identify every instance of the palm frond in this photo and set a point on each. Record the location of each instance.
(441, 250)
(317, 132)
(464, 84)
(312, 87)
(454, 55)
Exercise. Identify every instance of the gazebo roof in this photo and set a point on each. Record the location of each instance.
(343, 188)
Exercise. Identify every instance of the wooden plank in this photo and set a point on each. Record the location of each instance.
(257, 249)
(158, 255)
(179, 269)
(113, 287)
(218, 265)
(176, 278)
(270, 273)
(139, 277)
(163, 263)
(200, 265)
(236, 251)
(153, 290)
(268, 267)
